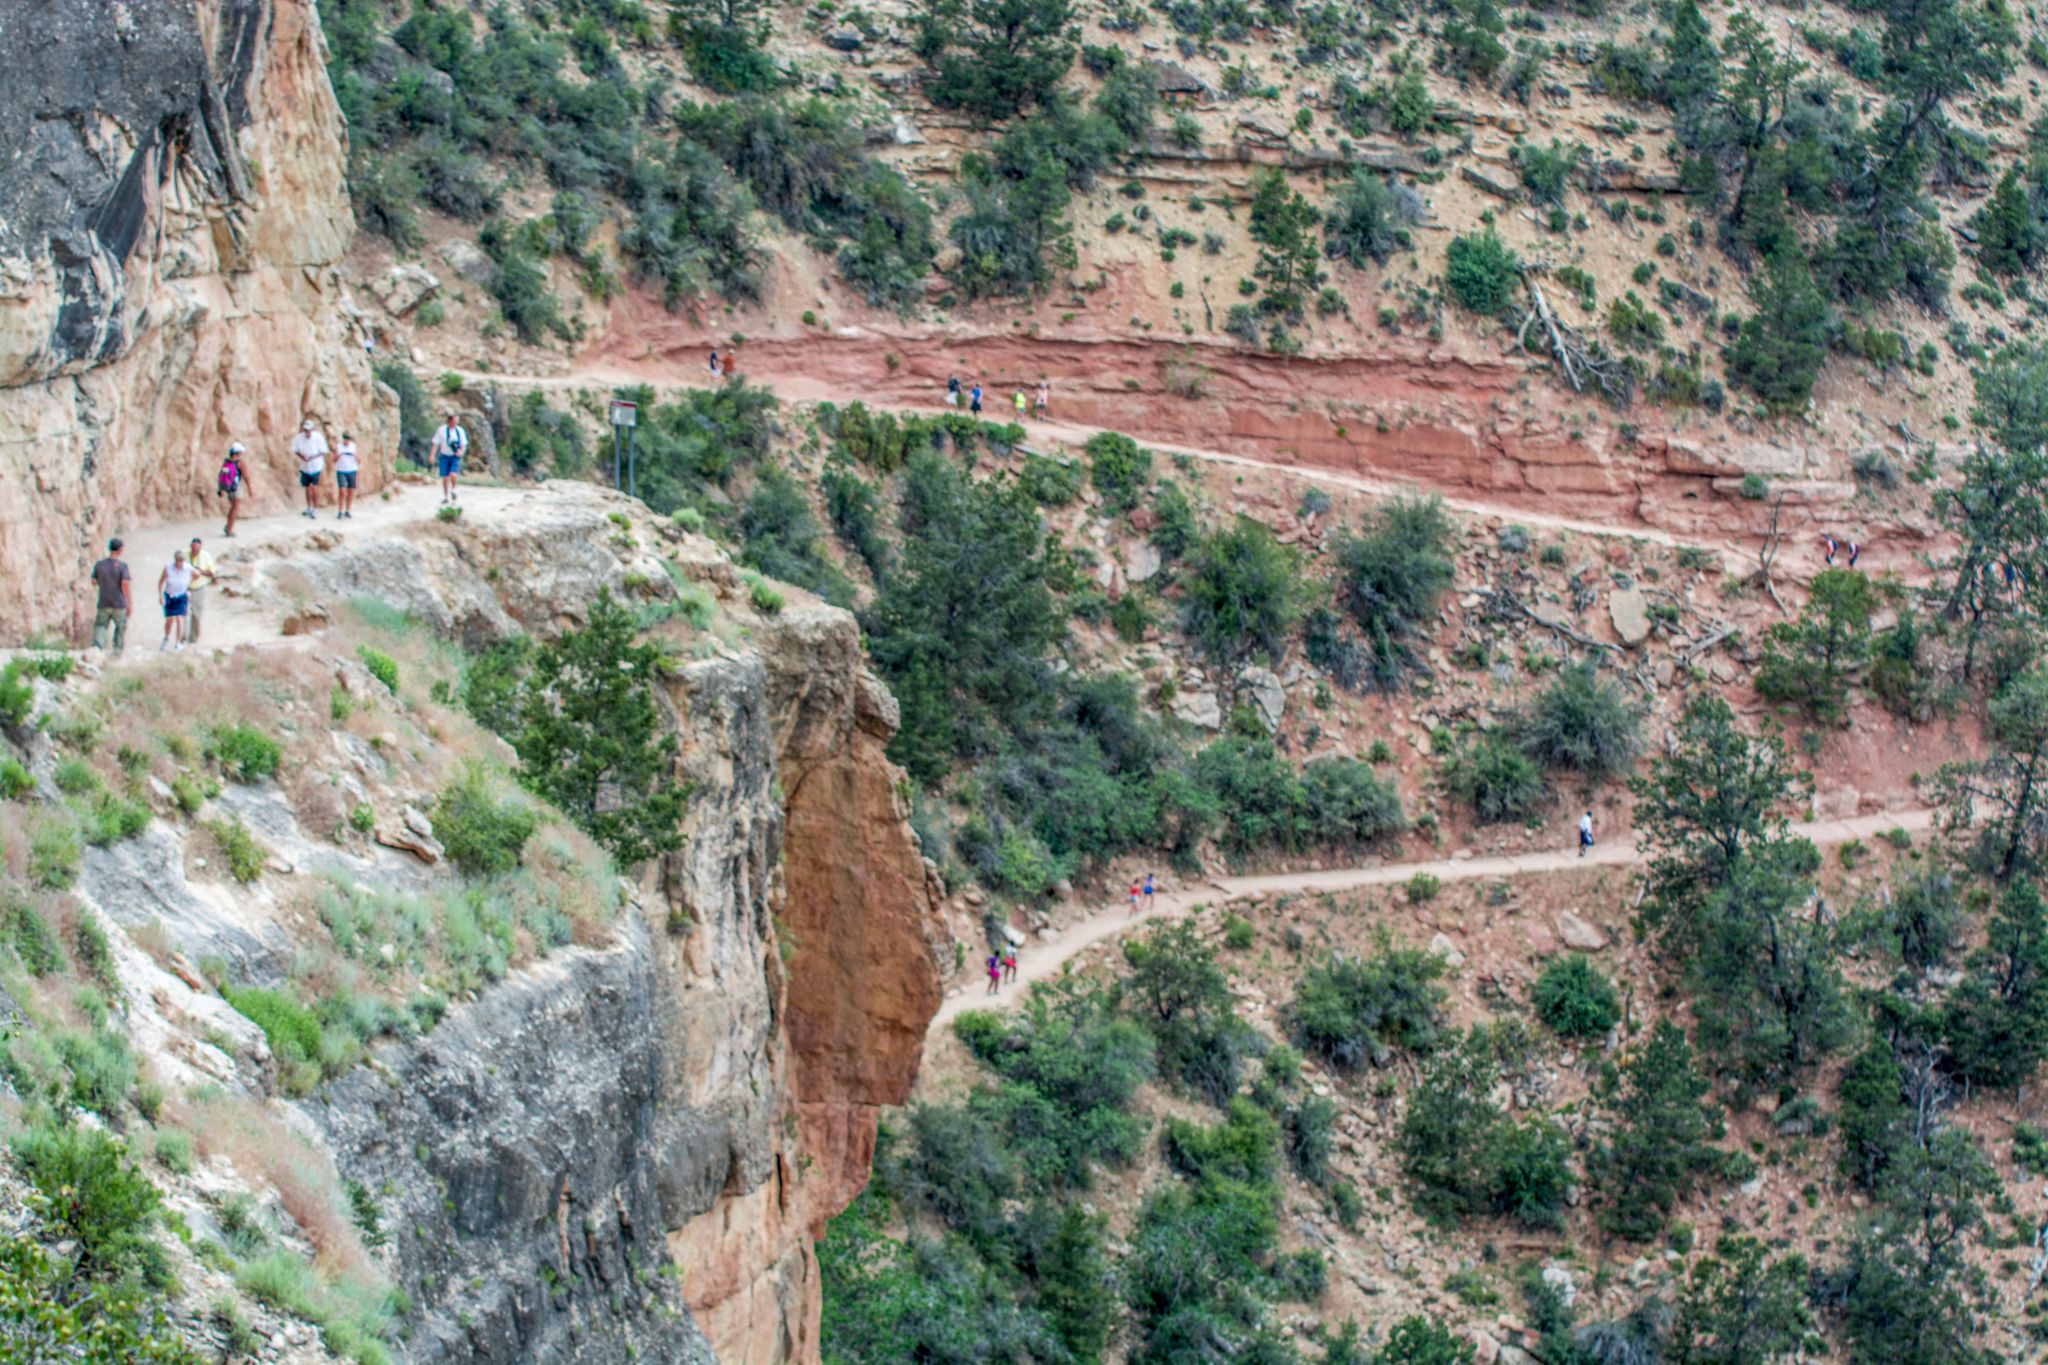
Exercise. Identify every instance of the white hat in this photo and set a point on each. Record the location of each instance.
(308, 424)
(236, 447)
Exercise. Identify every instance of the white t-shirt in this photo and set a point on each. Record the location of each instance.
(345, 457)
(177, 579)
(1585, 824)
(451, 440)
(311, 448)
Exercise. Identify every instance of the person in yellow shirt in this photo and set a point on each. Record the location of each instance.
(203, 577)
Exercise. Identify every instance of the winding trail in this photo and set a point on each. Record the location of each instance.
(1040, 960)
(1078, 434)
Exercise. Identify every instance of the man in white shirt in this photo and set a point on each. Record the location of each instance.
(345, 468)
(203, 577)
(1585, 833)
(451, 443)
(310, 448)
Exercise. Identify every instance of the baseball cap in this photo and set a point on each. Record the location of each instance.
(236, 447)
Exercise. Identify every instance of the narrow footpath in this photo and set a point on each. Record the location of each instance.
(1043, 959)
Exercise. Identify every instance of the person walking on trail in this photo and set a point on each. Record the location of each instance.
(1136, 889)
(114, 599)
(1009, 966)
(174, 590)
(1855, 552)
(310, 446)
(1020, 406)
(231, 483)
(714, 363)
(1149, 893)
(203, 577)
(995, 974)
(1041, 402)
(346, 468)
(1585, 833)
(974, 401)
(450, 443)
(726, 365)
(952, 390)
(1828, 544)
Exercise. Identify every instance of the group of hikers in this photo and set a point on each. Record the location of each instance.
(181, 584)
(1001, 964)
(1040, 402)
(180, 590)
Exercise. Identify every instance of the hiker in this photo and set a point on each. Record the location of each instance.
(231, 483)
(116, 599)
(1041, 402)
(727, 362)
(1585, 833)
(1855, 552)
(449, 444)
(1135, 889)
(1148, 893)
(714, 362)
(995, 974)
(346, 467)
(952, 390)
(174, 589)
(310, 446)
(1009, 965)
(1020, 406)
(1829, 543)
(974, 401)
(203, 576)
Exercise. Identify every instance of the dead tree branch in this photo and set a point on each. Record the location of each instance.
(1768, 551)
(1585, 363)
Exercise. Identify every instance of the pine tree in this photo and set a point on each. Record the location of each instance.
(1284, 224)
(1811, 662)
(1691, 80)
(1663, 1128)
(2006, 242)
(1784, 343)
(1998, 1017)
(1740, 1308)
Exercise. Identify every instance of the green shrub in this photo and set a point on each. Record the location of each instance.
(15, 781)
(1120, 469)
(1480, 273)
(296, 1037)
(244, 856)
(17, 695)
(114, 817)
(75, 777)
(1348, 1011)
(1466, 1156)
(482, 835)
(244, 753)
(382, 666)
(1661, 1137)
(1583, 723)
(1237, 933)
(96, 1197)
(1499, 781)
(102, 1072)
(1369, 220)
(1242, 591)
(1049, 482)
(766, 599)
(1421, 887)
(1393, 573)
(1575, 998)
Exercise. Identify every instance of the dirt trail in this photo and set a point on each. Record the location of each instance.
(231, 616)
(590, 376)
(1038, 961)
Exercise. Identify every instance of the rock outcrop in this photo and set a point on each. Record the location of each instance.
(172, 209)
(716, 1075)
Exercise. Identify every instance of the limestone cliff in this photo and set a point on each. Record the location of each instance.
(705, 1089)
(172, 209)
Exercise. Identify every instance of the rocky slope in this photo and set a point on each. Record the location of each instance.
(627, 1146)
(172, 211)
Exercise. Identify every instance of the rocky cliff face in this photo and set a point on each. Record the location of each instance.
(704, 1091)
(172, 209)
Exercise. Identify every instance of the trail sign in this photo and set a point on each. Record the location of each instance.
(624, 413)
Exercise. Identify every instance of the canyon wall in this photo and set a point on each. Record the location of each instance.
(173, 208)
(702, 1093)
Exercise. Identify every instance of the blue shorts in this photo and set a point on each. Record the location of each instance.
(344, 478)
(176, 606)
(449, 465)
(308, 480)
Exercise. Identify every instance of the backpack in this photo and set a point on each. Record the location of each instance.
(454, 440)
(230, 475)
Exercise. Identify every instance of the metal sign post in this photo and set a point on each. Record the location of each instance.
(625, 416)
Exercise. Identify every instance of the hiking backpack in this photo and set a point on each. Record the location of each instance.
(230, 475)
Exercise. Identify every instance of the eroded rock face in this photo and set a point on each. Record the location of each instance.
(771, 996)
(172, 208)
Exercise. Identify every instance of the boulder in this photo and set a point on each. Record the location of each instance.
(1267, 694)
(1577, 933)
(468, 261)
(1631, 615)
(1199, 708)
(845, 38)
(405, 287)
(1442, 946)
(1142, 562)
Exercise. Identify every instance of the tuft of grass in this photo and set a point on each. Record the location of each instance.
(766, 599)
(244, 752)
(54, 849)
(239, 847)
(1421, 887)
(15, 780)
(382, 666)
